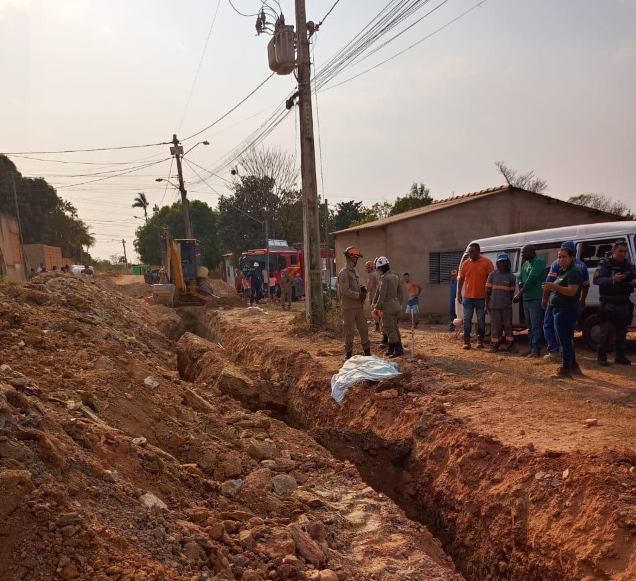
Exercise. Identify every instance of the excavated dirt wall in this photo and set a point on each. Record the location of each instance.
(502, 512)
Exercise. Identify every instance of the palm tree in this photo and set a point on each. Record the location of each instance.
(142, 202)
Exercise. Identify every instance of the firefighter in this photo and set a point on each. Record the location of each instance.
(389, 301)
(286, 284)
(616, 278)
(373, 281)
(352, 297)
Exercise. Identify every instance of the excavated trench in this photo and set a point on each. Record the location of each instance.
(437, 475)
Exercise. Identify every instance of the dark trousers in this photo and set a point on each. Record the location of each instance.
(256, 295)
(565, 319)
(614, 320)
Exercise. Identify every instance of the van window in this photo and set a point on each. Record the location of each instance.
(594, 251)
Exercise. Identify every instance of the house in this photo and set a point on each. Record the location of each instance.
(12, 263)
(429, 242)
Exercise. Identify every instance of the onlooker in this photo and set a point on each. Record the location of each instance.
(616, 278)
(87, 270)
(41, 268)
(54, 268)
(413, 290)
(548, 318)
(272, 288)
(256, 283)
(373, 280)
(473, 273)
(531, 280)
(564, 299)
(453, 296)
(500, 289)
(247, 288)
(286, 285)
(31, 274)
(298, 286)
(238, 281)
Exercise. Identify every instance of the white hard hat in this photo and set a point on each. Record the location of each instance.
(256, 264)
(381, 261)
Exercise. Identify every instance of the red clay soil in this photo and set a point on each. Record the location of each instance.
(114, 468)
(485, 449)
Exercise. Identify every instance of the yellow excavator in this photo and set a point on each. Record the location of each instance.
(182, 277)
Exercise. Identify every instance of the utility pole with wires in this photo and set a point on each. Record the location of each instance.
(123, 241)
(17, 215)
(177, 151)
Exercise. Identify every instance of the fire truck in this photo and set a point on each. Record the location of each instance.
(282, 256)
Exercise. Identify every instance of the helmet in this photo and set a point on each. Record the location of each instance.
(352, 252)
(255, 264)
(381, 261)
(368, 264)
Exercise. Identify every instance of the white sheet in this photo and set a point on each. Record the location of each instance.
(361, 368)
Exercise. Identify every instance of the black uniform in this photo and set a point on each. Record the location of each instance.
(616, 309)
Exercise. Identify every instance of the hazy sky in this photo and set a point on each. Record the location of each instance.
(547, 85)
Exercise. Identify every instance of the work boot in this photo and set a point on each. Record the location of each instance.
(562, 373)
(620, 358)
(602, 359)
(390, 350)
(552, 356)
(367, 352)
(480, 342)
(576, 369)
(398, 351)
(348, 355)
(494, 347)
(466, 343)
(385, 340)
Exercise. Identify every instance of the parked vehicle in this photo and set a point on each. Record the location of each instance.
(593, 242)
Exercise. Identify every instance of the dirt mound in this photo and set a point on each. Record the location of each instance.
(113, 468)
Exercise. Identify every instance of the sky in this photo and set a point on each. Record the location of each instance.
(544, 85)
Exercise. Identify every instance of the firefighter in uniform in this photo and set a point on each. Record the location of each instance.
(373, 281)
(352, 297)
(286, 285)
(389, 302)
(616, 278)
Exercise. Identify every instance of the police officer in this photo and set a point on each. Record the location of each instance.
(286, 284)
(389, 301)
(616, 278)
(352, 297)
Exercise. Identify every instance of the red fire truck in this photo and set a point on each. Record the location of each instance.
(282, 256)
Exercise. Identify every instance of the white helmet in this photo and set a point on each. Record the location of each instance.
(255, 264)
(381, 261)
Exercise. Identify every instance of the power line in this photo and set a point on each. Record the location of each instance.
(110, 177)
(167, 182)
(241, 13)
(196, 76)
(87, 150)
(328, 13)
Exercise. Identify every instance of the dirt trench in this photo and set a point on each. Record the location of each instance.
(500, 512)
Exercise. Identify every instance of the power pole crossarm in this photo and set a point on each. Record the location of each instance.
(311, 210)
(177, 151)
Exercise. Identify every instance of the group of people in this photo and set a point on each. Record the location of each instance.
(552, 305)
(42, 269)
(251, 286)
(384, 293)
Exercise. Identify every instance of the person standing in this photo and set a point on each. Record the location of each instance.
(298, 286)
(530, 291)
(286, 285)
(548, 318)
(87, 270)
(453, 297)
(238, 281)
(256, 284)
(389, 301)
(500, 289)
(473, 274)
(413, 290)
(247, 287)
(352, 297)
(565, 296)
(272, 288)
(373, 281)
(616, 279)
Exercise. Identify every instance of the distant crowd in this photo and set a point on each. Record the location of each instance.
(67, 269)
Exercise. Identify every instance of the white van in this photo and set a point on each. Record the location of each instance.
(592, 241)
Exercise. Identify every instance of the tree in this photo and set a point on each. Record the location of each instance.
(205, 228)
(378, 211)
(142, 202)
(604, 203)
(273, 164)
(347, 213)
(527, 181)
(418, 197)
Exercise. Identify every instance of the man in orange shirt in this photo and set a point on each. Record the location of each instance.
(473, 274)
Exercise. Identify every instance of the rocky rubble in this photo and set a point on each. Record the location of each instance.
(107, 476)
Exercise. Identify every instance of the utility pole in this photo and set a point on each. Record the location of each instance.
(17, 215)
(123, 241)
(267, 247)
(327, 245)
(177, 151)
(315, 310)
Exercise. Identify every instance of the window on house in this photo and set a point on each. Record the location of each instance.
(441, 264)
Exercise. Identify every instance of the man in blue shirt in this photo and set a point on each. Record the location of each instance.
(548, 321)
(453, 296)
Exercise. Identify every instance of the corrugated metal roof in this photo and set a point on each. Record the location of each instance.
(437, 205)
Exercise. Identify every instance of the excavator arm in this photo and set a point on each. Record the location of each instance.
(173, 259)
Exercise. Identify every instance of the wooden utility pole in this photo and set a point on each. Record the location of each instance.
(314, 306)
(177, 151)
(123, 241)
(327, 244)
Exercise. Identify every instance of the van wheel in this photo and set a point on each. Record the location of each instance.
(591, 330)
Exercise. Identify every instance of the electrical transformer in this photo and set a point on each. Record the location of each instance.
(281, 50)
